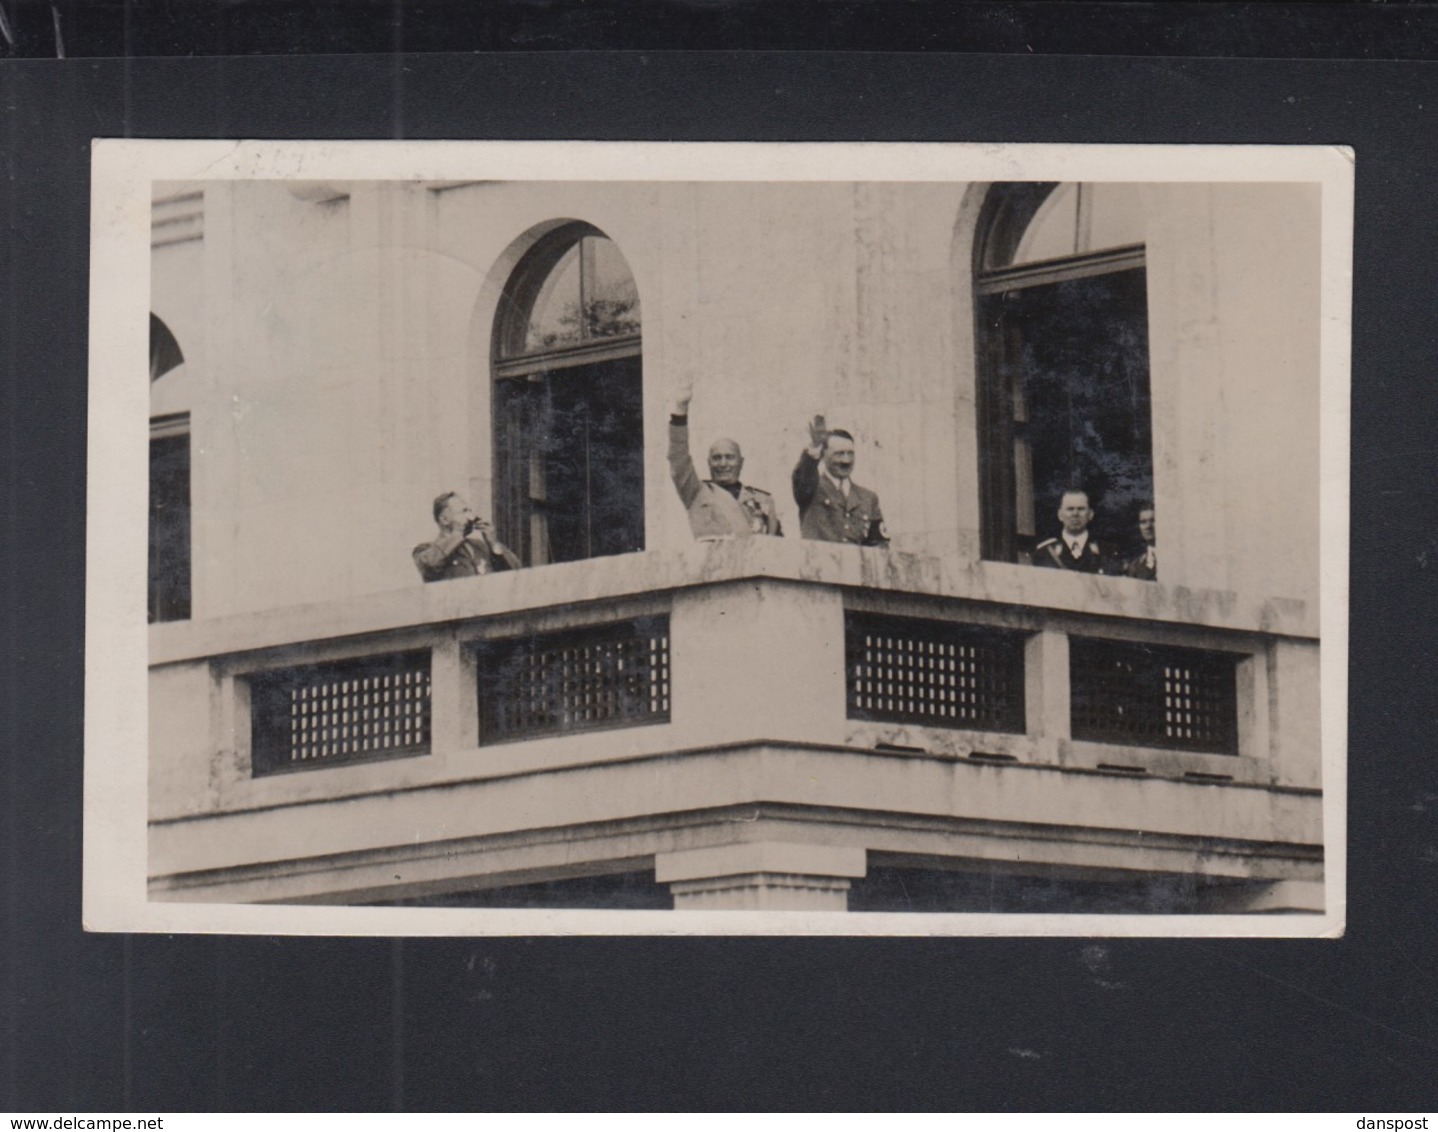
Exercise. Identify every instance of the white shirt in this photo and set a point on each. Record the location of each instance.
(842, 485)
(1076, 543)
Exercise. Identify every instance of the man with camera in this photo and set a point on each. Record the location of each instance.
(466, 545)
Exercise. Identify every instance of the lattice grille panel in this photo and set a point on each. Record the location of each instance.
(348, 711)
(579, 680)
(1153, 695)
(935, 673)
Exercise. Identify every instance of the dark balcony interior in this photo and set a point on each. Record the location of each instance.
(895, 889)
(634, 891)
(887, 888)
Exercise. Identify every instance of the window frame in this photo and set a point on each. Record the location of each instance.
(166, 356)
(508, 358)
(1005, 215)
(520, 495)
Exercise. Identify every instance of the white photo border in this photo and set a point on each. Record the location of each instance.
(116, 725)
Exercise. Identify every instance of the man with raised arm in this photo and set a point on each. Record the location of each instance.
(721, 506)
(832, 507)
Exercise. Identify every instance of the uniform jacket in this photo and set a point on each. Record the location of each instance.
(713, 511)
(826, 515)
(1138, 566)
(436, 563)
(1054, 553)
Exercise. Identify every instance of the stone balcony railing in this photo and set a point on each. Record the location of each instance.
(752, 720)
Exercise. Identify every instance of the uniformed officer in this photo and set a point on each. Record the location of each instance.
(721, 506)
(832, 507)
(1144, 565)
(466, 545)
(1074, 549)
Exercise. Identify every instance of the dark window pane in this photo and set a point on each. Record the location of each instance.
(1069, 403)
(169, 528)
(571, 462)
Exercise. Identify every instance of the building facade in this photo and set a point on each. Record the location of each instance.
(639, 718)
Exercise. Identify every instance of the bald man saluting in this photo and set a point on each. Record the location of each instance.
(721, 506)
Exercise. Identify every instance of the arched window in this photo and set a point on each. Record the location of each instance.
(568, 407)
(1062, 334)
(169, 479)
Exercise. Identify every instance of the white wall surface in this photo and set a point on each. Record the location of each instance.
(339, 359)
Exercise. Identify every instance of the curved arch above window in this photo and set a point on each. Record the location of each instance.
(165, 353)
(169, 375)
(1078, 219)
(571, 300)
(1043, 232)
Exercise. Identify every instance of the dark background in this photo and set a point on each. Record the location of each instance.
(1192, 28)
(105, 1022)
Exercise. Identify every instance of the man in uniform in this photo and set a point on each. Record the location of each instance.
(1074, 549)
(466, 545)
(721, 506)
(832, 507)
(1145, 564)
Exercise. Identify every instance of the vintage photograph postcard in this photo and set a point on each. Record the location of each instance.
(549, 538)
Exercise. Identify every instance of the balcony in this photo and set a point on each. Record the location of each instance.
(759, 724)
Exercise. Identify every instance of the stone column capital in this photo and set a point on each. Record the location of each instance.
(771, 875)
